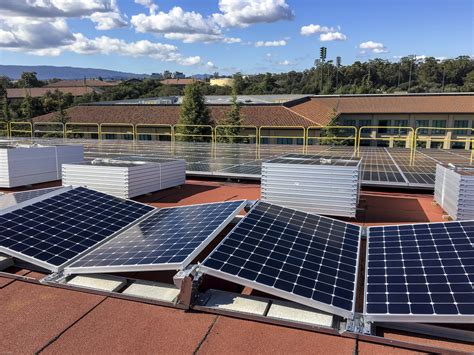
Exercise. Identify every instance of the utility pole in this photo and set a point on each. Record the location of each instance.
(338, 64)
(322, 56)
(444, 76)
(413, 57)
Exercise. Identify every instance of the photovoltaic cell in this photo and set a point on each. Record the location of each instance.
(169, 239)
(302, 257)
(420, 272)
(53, 231)
(15, 198)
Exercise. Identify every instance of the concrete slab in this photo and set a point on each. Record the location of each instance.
(5, 262)
(295, 312)
(98, 282)
(236, 302)
(153, 290)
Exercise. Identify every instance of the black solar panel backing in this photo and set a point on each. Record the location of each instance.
(169, 239)
(294, 255)
(420, 272)
(52, 232)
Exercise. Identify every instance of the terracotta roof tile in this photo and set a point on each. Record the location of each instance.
(37, 92)
(179, 81)
(89, 82)
(252, 115)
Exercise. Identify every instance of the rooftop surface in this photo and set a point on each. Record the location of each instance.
(40, 318)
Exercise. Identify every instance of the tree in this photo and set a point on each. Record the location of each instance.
(233, 121)
(31, 107)
(29, 80)
(6, 114)
(193, 115)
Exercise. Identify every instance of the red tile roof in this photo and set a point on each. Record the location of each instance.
(255, 115)
(179, 81)
(322, 109)
(37, 92)
(89, 82)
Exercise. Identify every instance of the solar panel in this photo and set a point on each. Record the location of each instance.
(294, 255)
(169, 239)
(15, 198)
(420, 272)
(52, 232)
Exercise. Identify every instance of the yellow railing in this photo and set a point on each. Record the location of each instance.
(177, 127)
(389, 137)
(19, 127)
(71, 129)
(104, 129)
(139, 132)
(338, 138)
(37, 132)
(4, 129)
(467, 138)
(279, 128)
(252, 136)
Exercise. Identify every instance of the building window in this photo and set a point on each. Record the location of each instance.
(461, 124)
(264, 140)
(422, 123)
(440, 124)
(284, 140)
(402, 127)
(362, 123)
(350, 122)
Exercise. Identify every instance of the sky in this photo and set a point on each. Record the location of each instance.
(227, 36)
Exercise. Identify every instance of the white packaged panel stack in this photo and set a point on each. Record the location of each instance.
(32, 164)
(454, 190)
(313, 184)
(125, 179)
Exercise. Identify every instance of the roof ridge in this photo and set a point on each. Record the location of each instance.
(300, 115)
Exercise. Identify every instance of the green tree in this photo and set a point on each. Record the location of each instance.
(6, 114)
(29, 80)
(233, 121)
(194, 112)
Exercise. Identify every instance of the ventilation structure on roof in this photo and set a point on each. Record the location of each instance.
(126, 179)
(313, 184)
(454, 190)
(32, 164)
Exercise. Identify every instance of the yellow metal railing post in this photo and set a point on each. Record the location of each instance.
(429, 137)
(119, 125)
(152, 134)
(177, 134)
(36, 124)
(250, 136)
(28, 124)
(68, 129)
(298, 128)
(341, 138)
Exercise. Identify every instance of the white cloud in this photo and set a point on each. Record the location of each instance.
(372, 46)
(107, 21)
(55, 8)
(190, 27)
(148, 4)
(312, 29)
(280, 43)
(332, 36)
(211, 65)
(284, 62)
(243, 13)
(107, 45)
(30, 34)
(174, 21)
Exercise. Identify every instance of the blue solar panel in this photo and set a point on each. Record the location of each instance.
(420, 272)
(53, 231)
(15, 198)
(302, 257)
(169, 239)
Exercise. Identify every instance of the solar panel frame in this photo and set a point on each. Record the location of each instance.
(280, 293)
(71, 269)
(430, 318)
(23, 197)
(49, 266)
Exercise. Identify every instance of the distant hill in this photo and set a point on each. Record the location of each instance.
(45, 72)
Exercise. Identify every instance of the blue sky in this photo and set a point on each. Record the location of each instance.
(199, 36)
